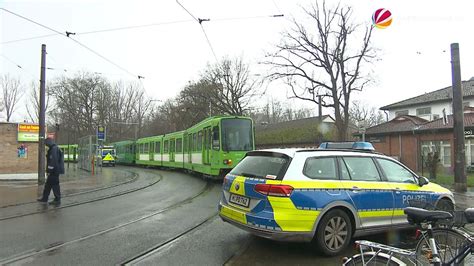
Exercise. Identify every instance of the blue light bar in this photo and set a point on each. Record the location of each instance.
(355, 145)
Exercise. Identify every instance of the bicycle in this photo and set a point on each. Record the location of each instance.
(446, 245)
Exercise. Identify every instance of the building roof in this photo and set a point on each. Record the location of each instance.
(445, 94)
(438, 123)
(402, 123)
(294, 123)
(409, 123)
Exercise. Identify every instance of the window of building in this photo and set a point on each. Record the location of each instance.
(423, 111)
(466, 104)
(442, 147)
(320, 168)
(402, 112)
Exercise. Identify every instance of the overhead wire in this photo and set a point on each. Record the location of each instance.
(20, 67)
(200, 21)
(30, 38)
(100, 31)
(76, 41)
(251, 17)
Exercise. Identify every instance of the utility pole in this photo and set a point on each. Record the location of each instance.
(42, 118)
(460, 184)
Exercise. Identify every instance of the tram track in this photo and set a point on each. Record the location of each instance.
(151, 251)
(133, 179)
(121, 193)
(55, 246)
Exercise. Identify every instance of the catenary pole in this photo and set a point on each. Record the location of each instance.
(42, 111)
(460, 184)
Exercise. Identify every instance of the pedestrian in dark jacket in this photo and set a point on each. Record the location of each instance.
(53, 169)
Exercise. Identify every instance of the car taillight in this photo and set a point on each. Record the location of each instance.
(274, 190)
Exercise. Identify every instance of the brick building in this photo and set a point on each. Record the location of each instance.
(410, 139)
(16, 157)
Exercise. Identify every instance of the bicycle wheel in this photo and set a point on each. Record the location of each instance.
(448, 242)
(372, 259)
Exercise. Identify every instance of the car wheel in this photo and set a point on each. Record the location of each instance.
(334, 233)
(445, 205)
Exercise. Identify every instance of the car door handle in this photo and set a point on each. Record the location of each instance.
(355, 189)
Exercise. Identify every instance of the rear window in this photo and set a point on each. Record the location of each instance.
(262, 165)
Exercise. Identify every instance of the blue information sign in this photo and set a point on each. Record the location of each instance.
(101, 133)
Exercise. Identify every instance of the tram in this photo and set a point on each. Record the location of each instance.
(212, 147)
(70, 152)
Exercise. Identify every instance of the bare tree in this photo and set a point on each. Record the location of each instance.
(32, 107)
(325, 60)
(362, 115)
(142, 109)
(11, 94)
(234, 86)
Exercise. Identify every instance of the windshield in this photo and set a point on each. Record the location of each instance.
(262, 165)
(105, 152)
(237, 135)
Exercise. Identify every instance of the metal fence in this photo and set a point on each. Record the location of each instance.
(87, 150)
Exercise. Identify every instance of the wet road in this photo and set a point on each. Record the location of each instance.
(162, 218)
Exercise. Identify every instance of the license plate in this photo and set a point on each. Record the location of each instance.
(240, 200)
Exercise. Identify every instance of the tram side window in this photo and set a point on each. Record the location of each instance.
(215, 139)
(208, 139)
(157, 147)
(172, 145)
(199, 146)
(179, 145)
(194, 142)
(165, 146)
(146, 148)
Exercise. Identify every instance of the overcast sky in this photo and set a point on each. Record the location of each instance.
(414, 51)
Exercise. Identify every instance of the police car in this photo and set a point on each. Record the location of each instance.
(325, 196)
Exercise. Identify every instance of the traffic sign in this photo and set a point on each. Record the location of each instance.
(101, 133)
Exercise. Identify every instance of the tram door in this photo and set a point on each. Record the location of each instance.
(172, 149)
(206, 154)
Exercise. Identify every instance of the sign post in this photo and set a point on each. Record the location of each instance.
(101, 133)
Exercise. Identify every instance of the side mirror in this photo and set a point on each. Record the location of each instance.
(423, 181)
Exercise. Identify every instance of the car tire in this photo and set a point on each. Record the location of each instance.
(445, 205)
(334, 233)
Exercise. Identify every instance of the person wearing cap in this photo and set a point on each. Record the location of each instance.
(53, 170)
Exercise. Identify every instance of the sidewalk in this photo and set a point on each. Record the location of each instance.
(20, 188)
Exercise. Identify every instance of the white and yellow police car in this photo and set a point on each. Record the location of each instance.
(324, 196)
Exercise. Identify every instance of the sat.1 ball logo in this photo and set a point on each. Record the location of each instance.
(382, 18)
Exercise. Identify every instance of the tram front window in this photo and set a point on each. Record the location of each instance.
(237, 135)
